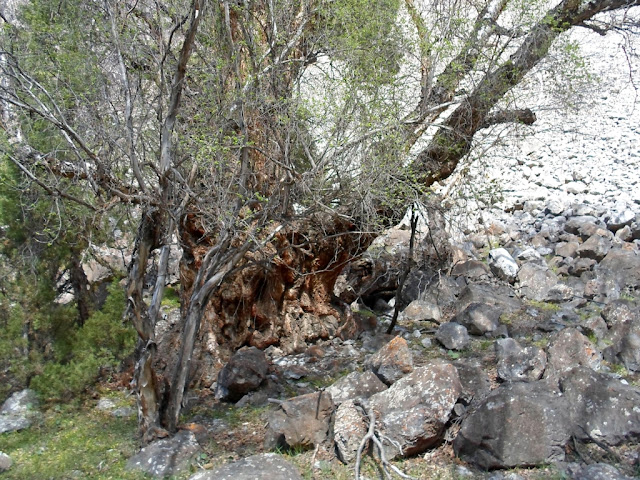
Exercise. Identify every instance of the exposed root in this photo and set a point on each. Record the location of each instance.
(374, 436)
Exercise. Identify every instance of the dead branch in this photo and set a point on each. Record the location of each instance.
(374, 436)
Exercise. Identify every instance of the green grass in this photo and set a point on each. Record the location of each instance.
(544, 306)
(67, 442)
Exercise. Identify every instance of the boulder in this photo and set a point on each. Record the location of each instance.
(619, 219)
(245, 372)
(474, 380)
(13, 423)
(5, 462)
(595, 248)
(517, 424)
(479, 318)
(502, 296)
(167, 456)
(471, 269)
(536, 281)
(420, 310)
(517, 363)
(392, 361)
(265, 466)
(300, 422)
(566, 249)
(569, 348)
(414, 411)
(623, 266)
(20, 403)
(502, 264)
(602, 408)
(595, 471)
(453, 336)
(349, 429)
(356, 385)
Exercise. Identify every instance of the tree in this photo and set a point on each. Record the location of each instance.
(208, 123)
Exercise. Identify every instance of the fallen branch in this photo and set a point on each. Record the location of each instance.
(372, 435)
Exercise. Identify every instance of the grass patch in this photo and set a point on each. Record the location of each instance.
(67, 442)
(171, 298)
(544, 306)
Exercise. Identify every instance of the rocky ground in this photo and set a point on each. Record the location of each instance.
(516, 356)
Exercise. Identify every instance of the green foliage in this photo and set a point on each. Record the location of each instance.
(103, 341)
(370, 44)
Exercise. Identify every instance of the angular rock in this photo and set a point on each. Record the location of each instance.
(619, 219)
(265, 466)
(517, 424)
(13, 423)
(503, 296)
(502, 264)
(602, 408)
(479, 318)
(415, 409)
(596, 248)
(536, 281)
(596, 471)
(472, 269)
(356, 385)
(5, 462)
(516, 363)
(559, 293)
(392, 361)
(576, 225)
(569, 348)
(474, 380)
(244, 372)
(420, 310)
(349, 429)
(20, 403)
(623, 266)
(453, 336)
(566, 249)
(167, 456)
(300, 422)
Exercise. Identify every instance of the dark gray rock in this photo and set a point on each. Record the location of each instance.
(265, 466)
(503, 296)
(582, 265)
(5, 462)
(356, 385)
(471, 269)
(623, 266)
(167, 456)
(535, 281)
(517, 363)
(349, 429)
(415, 409)
(595, 471)
(479, 318)
(596, 248)
(474, 380)
(20, 403)
(623, 337)
(576, 225)
(245, 372)
(453, 336)
(300, 422)
(502, 264)
(517, 424)
(602, 408)
(392, 361)
(569, 348)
